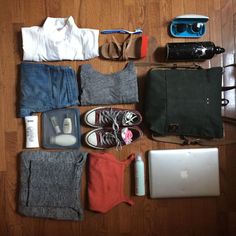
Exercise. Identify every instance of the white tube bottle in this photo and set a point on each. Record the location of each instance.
(139, 176)
(31, 124)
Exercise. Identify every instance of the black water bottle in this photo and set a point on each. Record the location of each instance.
(192, 51)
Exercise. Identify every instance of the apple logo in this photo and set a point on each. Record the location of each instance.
(184, 174)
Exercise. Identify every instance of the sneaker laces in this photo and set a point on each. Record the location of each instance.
(112, 116)
(129, 117)
(110, 139)
(107, 116)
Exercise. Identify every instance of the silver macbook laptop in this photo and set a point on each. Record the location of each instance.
(183, 172)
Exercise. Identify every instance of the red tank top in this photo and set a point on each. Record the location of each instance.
(106, 181)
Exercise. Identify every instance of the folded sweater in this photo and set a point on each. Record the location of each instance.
(50, 184)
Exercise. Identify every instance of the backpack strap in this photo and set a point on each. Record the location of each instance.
(174, 65)
(233, 64)
(168, 65)
(229, 120)
(192, 141)
(227, 88)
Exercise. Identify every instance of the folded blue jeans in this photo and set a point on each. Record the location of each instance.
(46, 87)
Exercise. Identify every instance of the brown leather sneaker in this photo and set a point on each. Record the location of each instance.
(103, 138)
(112, 117)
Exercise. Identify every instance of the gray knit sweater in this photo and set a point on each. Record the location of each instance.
(50, 184)
(115, 88)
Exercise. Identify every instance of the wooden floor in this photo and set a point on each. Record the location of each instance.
(193, 216)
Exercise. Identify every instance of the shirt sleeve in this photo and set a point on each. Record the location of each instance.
(86, 41)
(90, 43)
(31, 43)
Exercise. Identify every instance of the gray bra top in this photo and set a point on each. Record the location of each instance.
(115, 88)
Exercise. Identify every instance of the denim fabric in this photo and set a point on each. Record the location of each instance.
(46, 87)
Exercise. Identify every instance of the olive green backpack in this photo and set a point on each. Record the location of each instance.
(183, 105)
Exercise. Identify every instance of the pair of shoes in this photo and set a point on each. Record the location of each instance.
(133, 48)
(114, 127)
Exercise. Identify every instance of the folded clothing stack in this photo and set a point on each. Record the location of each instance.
(46, 87)
(116, 88)
(51, 183)
(59, 39)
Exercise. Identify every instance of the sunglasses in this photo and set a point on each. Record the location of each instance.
(194, 28)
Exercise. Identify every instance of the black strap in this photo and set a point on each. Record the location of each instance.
(227, 88)
(233, 64)
(224, 102)
(175, 65)
(169, 65)
(229, 120)
(183, 140)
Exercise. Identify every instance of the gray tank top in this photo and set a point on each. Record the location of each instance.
(116, 88)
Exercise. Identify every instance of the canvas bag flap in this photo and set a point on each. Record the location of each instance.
(184, 102)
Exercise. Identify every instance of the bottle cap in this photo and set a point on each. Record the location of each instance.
(219, 50)
(138, 157)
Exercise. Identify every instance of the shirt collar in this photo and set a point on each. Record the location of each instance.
(58, 24)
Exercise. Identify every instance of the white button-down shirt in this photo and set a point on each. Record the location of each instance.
(59, 39)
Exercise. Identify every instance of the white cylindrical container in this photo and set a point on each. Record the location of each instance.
(67, 126)
(139, 176)
(31, 124)
(63, 140)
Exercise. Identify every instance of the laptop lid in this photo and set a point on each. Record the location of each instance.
(183, 172)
